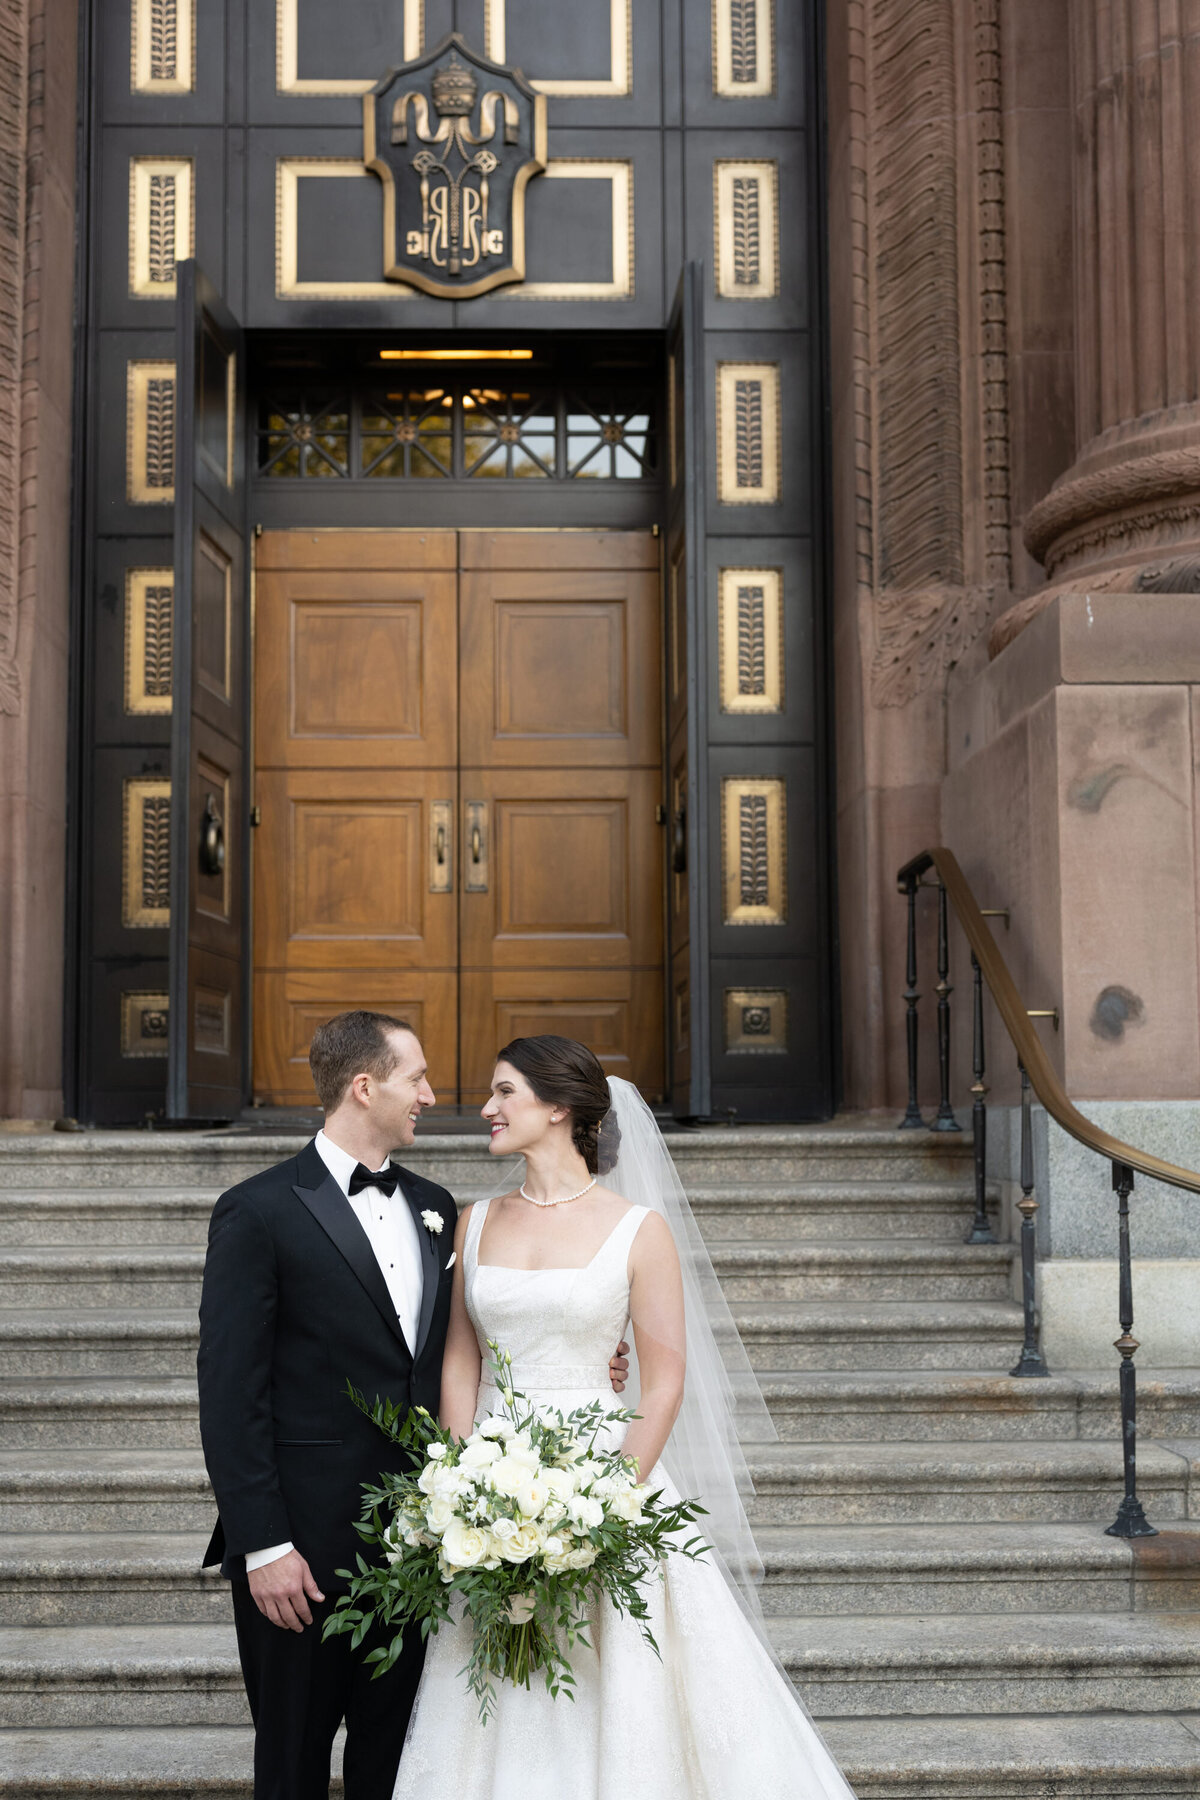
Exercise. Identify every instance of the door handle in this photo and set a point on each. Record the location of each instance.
(475, 824)
(441, 851)
(212, 838)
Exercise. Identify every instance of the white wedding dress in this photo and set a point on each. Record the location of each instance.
(714, 1719)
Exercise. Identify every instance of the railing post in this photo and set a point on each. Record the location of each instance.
(912, 1119)
(981, 1226)
(1131, 1520)
(1031, 1360)
(945, 1120)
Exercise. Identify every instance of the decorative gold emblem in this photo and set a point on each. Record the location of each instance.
(454, 164)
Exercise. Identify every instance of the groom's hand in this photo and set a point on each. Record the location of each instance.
(281, 1590)
(618, 1367)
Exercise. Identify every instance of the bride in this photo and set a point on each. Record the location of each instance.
(554, 1270)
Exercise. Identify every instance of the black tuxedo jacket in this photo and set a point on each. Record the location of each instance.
(294, 1305)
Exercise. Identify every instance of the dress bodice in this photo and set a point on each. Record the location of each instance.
(560, 1326)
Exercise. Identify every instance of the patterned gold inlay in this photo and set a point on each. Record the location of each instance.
(161, 230)
(162, 47)
(150, 433)
(144, 1019)
(751, 640)
(746, 229)
(753, 850)
(146, 858)
(755, 1021)
(149, 606)
(743, 48)
(748, 433)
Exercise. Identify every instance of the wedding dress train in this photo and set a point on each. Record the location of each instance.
(713, 1719)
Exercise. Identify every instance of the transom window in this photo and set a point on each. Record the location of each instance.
(460, 431)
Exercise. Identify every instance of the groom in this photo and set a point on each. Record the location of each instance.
(335, 1265)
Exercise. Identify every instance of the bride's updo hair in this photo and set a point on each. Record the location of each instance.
(562, 1072)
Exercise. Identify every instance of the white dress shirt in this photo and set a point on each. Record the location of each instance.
(392, 1233)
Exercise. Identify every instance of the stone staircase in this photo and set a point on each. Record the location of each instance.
(939, 1584)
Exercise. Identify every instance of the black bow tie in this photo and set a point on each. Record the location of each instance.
(386, 1180)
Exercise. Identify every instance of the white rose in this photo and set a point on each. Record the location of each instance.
(560, 1484)
(554, 1546)
(503, 1529)
(425, 1478)
(585, 1511)
(626, 1504)
(508, 1477)
(436, 1451)
(477, 1453)
(438, 1514)
(554, 1513)
(464, 1546)
(496, 1428)
(606, 1487)
(525, 1542)
(581, 1558)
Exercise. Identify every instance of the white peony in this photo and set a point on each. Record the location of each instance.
(553, 1513)
(464, 1546)
(532, 1497)
(447, 1482)
(559, 1483)
(425, 1478)
(627, 1504)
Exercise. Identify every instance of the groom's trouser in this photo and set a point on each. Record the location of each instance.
(301, 1689)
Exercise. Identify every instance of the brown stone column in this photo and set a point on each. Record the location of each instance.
(1126, 515)
(38, 109)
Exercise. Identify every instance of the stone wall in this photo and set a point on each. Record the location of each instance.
(38, 111)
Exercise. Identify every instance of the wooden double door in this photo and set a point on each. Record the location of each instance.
(458, 781)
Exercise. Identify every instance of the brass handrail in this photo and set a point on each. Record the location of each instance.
(1014, 1013)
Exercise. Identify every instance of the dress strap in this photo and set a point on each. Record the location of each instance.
(623, 1233)
(474, 1228)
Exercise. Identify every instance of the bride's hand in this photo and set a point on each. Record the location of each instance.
(618, 1367)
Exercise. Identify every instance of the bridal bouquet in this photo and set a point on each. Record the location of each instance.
(527, 1520)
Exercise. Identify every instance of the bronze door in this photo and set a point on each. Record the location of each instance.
(458, 768)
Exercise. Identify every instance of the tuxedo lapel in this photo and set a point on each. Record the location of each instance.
(430, 1270)
(335, 1215)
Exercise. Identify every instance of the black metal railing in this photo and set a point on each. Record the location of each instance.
(1038, 1076)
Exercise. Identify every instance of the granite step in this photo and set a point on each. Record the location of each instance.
(847, 1149)
(882, 1334)
(814, 1405)
(142, 1212)
(807, 1406)
(1054, 1482)
(104, 1490)
(983, 1664)
(1114, 1756)
(1101, 1756)
(858, 1270)
(124, 1341)
(109, 1578)
(101, 1275)
(99, 1411)
(989, 1568)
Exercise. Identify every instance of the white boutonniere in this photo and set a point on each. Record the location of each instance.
(432, 1221)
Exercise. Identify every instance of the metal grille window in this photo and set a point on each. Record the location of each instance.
(460, 431)
(305, 436)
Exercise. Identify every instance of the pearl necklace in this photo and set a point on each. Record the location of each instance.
(563, 1201)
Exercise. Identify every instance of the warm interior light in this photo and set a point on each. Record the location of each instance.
(456, 356)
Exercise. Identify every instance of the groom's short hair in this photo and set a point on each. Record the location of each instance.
(352, 1043)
